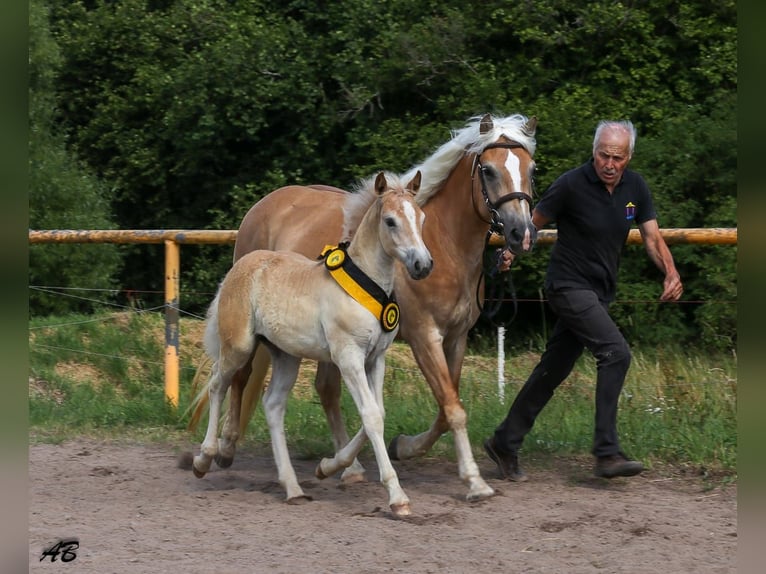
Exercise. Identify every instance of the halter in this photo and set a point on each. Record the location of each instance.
(495, 224)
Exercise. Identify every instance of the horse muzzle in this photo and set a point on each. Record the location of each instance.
(418, 266)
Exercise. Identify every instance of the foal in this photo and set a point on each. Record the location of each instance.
(340, 310)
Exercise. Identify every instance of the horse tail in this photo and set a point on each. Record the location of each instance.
(199, 391)
(254, 387)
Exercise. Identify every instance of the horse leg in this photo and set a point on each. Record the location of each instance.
(283, 375)
(443, 375)
(209, 448)
(230, 435)
(327, 385)
(343, 457)
(372, 419)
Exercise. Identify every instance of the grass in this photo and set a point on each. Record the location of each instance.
(103, 375)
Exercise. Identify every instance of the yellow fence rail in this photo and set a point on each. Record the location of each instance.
(174, 238)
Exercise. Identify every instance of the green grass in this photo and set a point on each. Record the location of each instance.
(103, 375)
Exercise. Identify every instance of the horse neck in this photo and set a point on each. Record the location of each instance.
(452, 220)
(366, 250)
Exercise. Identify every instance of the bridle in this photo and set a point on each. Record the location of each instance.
(495, 224)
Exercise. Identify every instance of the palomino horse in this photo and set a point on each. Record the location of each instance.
(480, 180)
(299, 307)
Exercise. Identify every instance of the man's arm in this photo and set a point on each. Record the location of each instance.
(660, 254)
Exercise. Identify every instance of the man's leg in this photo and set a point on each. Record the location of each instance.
(561, 353)
(590, 322)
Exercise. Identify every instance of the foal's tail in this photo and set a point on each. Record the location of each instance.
(250, 396)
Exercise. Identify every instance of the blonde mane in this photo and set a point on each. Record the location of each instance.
(440, 164)
(361, 198)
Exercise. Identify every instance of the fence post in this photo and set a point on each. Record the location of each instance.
(172, 292)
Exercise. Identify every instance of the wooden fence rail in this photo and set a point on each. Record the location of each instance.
(174, 238)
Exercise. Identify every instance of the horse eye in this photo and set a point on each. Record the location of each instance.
(390, 222)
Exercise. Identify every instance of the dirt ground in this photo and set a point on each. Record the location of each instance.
(133, 510)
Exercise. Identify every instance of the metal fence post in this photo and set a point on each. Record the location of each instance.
(172, 293)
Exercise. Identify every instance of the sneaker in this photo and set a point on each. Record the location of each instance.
(617, 465)
(507, 464)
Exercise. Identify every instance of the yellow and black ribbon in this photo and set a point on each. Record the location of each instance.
(360, 287)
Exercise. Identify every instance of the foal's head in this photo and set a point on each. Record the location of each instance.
(401, 224)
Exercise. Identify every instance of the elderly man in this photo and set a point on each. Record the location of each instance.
(593, 207)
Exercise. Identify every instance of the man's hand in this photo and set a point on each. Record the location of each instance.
(672, 288)
(504, 260)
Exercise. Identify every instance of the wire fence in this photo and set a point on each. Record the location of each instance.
(173, 239)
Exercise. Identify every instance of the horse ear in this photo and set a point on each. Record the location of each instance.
(380, 183)
(414, 185)
(486, 124)
(531, 126)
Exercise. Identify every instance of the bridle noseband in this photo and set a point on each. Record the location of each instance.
(496, 225)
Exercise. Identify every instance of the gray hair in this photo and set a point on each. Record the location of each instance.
(621, 125)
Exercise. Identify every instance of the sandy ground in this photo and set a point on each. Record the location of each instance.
(133, 510)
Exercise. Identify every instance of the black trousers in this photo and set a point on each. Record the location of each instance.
(583, 322)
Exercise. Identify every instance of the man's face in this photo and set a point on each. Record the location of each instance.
(611, 157)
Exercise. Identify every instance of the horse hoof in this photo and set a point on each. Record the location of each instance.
(298, 500)
(223, 461)
(393, 451)
(401, 509)
(197, 473)
(319, 473)
(480, 495)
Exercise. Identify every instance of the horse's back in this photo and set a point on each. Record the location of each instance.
(293, 218)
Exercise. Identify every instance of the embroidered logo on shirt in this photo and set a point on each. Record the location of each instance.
(630, 211)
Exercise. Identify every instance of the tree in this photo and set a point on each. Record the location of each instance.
(191, 110)
(62, 192)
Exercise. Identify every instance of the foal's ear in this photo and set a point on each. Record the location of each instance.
(381, 184)
(531, 126)
(414, 185)
(486, 124)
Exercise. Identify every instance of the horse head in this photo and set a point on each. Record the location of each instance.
(401, 224)
(503, 170)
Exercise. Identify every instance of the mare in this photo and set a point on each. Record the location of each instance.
(479, 181)
(297, 307)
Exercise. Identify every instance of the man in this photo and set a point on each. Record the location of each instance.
(593, 206)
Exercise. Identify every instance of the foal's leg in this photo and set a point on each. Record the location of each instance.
(209, 448)
(352, 369)
(327, 384)
(284, 371)
(228, 442)
(344, 456)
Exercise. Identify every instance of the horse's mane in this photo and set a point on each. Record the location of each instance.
(440, 164)
(361, 198)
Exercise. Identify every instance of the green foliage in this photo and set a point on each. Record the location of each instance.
(63, 194)
(191, 110)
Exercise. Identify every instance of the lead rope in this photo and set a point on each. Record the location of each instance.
(494, 289)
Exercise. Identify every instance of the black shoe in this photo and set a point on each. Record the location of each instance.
(617, 465)
(507, 464)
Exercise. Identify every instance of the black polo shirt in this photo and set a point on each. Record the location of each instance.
(592, 227)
